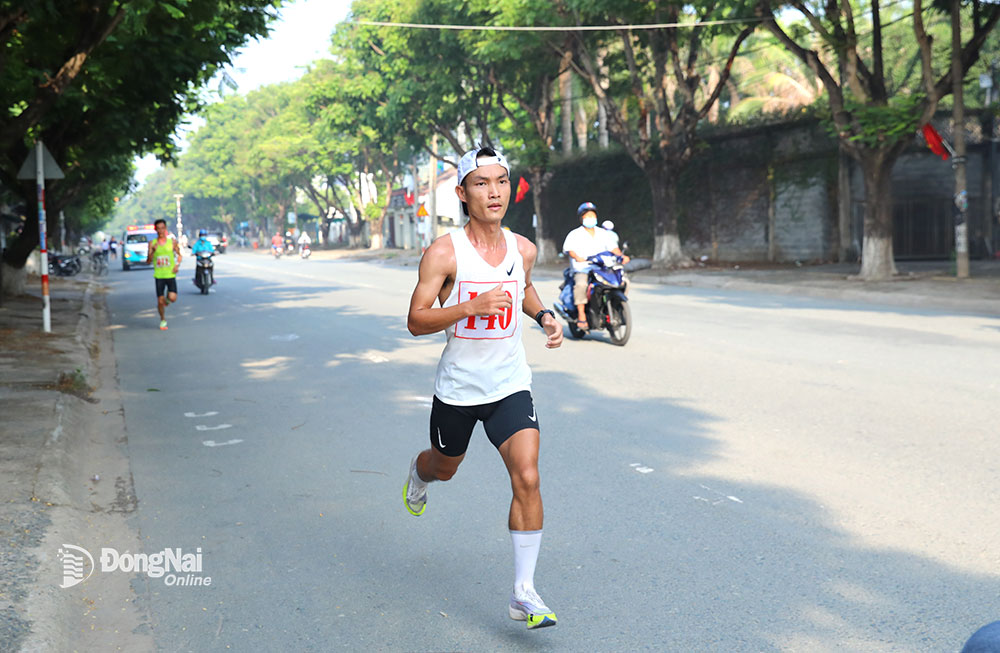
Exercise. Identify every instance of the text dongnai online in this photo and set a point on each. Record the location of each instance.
(179, 568)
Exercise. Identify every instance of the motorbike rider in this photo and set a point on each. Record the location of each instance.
(581, 243)
(289, 242)
(304, 241)
(203, 244)
(276, 243)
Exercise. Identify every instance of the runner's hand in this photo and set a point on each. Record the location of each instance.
(553, 330)
(494, 302)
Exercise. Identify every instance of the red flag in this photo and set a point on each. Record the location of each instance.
(934, 141)
(409, 198)
(522, 189)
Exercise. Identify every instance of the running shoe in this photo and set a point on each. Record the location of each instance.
(414, 497)
(526, 605)
(163, 325)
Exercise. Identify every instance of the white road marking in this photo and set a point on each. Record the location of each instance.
(375, 358)
(285, 337)
(722, 499)
(642, 469)
(202, 427)
(213, 443)
(424, 401)
(208, 414)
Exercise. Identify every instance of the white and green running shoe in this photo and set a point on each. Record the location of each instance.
(415, 491)
(526, 605)
(163, 325)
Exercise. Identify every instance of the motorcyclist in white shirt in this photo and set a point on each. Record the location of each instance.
(304, 241)
(585, 241)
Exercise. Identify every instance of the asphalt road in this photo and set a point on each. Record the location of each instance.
(750, 473)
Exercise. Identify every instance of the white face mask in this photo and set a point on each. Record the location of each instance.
(590, 222)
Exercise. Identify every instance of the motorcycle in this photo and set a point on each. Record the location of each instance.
(607, 304)
(277, 250)
(204, 271)
(304, 250)
(64, 266)
(289, 246)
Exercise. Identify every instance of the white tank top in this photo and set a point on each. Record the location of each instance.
(483, 360)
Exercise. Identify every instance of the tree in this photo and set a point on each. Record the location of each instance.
(100, 81)
(650, 87)
(874, 122)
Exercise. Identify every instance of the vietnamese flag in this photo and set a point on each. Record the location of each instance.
(522, 189)
(934, 141)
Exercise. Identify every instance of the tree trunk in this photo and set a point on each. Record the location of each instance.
(844, 253)
(667, 242)
(547, 248)
(14, 280)
(602, 126)
(877, 261)
(566, 104)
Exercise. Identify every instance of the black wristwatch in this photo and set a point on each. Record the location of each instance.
(539, 314)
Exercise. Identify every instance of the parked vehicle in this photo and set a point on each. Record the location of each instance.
(64, 266)
(607, 303)
(135, 245)
(204, 271)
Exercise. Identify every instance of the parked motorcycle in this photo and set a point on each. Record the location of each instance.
(607, 304)
(304, 250)
(204, 271)
(64, 266)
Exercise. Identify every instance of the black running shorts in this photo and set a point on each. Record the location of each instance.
(451, 426)
(163, 286)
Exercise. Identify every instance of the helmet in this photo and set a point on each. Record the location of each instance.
(609, 225)
(288, 233)
(583, 208)
(202, 232)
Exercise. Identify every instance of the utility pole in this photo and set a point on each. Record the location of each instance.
(958, 122)
(432, 191)
(180, 225)
(41, 166)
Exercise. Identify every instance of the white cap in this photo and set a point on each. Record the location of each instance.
(609, 225)
(471, 160)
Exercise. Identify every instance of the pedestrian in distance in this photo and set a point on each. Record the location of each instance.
(480, 275)
(165, 257)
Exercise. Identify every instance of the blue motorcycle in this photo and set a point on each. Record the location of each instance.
(607, 304)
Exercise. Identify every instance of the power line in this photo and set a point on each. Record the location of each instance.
(557, 28)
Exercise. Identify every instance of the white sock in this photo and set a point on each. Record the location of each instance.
(415, 478)
(526, 546)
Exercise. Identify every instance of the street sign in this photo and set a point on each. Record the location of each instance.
(291, 217)
(422, 211)
(50, 169)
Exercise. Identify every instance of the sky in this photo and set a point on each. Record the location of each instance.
(299, 37)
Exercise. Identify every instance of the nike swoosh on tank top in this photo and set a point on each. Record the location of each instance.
(483, 360)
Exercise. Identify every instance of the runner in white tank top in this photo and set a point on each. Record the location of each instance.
(480, 276)
(484, 358)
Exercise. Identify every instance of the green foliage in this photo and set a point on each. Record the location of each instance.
(141, 64)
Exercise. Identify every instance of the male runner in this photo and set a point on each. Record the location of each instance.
(479, 275)
(165, 257)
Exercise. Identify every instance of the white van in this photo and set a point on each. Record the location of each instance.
(135, 244)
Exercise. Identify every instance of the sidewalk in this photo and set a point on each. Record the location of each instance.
(929, 285)
(64, 473)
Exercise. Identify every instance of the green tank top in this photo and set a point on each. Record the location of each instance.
(163, 260)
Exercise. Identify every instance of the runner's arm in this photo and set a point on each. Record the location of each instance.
(436, 266)
(149, 254)
(532, 303)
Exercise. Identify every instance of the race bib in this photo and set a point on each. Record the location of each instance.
(162, 261)
(487, 327)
